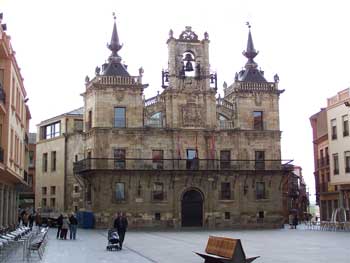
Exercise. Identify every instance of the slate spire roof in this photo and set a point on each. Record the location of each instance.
(251, 73)
(114, 67)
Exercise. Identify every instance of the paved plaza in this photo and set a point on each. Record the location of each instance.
(273, 246)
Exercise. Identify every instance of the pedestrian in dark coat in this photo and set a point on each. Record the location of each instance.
(31, 221)
(121, 224)
(295, 221)
(73, 224)
(25, 219)
(59, 225)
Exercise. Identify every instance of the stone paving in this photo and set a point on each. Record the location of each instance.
(281, 245)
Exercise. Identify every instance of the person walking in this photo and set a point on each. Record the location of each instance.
(38, 220)
(290, 220)
(64, 228)
(25, 218)
(73, 224)
(31, 221)
(295, 221)
(59, 225)
(121, 224)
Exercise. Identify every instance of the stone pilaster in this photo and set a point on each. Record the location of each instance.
(341, 198)
(16, 206)
(13, 220)
(10, 221)
(6, 205)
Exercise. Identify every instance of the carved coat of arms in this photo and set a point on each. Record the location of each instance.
(119, 96)
(191, 116)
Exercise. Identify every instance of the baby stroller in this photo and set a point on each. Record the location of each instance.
(113, 240)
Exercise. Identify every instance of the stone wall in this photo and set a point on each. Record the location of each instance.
(141, 209)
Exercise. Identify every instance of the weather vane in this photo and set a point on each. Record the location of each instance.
(248, 24)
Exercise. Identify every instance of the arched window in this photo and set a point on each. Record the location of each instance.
(156, 120)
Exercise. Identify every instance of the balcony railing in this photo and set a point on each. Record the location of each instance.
(1, 154)
(225, 124)
(116, 80)
(178, 164)
(323, 162)
(153, 100)
(2, 96)
(225, 103)
(155, 123)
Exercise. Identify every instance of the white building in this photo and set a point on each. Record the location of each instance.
(339, 145)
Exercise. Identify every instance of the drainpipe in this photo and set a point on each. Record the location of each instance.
(65, 167)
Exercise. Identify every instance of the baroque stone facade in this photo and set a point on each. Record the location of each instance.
(185, 157)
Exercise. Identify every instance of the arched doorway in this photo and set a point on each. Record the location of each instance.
(192, 209)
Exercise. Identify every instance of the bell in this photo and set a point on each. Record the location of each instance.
(188, 57)
(188, 66)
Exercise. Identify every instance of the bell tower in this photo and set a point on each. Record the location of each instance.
(189, 85)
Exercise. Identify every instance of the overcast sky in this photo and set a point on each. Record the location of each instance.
(58, 43)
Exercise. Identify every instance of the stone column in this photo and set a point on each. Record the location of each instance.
(9, 206)
(341, 198)
(1, 205)
(16, 206)
(13, 207)
(6, 203)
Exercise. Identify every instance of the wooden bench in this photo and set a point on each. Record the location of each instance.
(222, 249)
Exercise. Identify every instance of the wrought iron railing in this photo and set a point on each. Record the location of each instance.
(178, 164)
(2, 94)
(323, 162)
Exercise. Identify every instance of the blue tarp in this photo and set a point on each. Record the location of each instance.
(86, 219)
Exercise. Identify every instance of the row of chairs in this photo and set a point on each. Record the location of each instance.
(11, 240)
(23, 237)
(329, 226)
(37, 243)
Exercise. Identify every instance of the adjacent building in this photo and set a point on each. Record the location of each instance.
(14, 130)
(332, 155)
(325, 192)
(27, 194)
(51, 162)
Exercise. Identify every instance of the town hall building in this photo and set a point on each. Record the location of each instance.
(184, 158)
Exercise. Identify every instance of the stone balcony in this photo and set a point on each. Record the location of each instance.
(130, 164)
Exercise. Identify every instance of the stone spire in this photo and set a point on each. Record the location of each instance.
(250, 53)
(115, 46)
(114, 67)
(251, 72)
